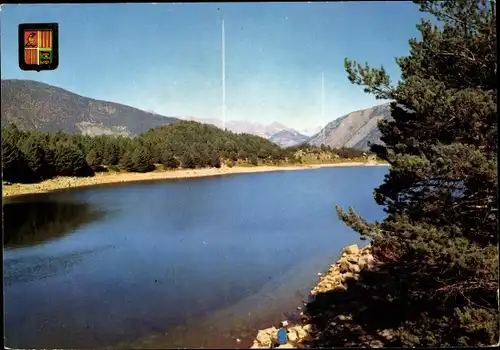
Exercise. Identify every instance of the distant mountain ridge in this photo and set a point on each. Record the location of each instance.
(38, 106)
(288, 138)
(275, 132)
(310, 131)
(354, 130)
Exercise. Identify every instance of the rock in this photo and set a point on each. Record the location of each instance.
(376, 344)
(349, 275)
(344, 317)
(308, 328)
(292, 335)
(344, 265)
(352, 249)
(340, 288)
(337, 280)
(366, 250)
(286, 346)
(301, 332)
(353, 259)
(386, 333)
(265, 337)
(354, 268)
(335, 274)
(366, 261)
(271, 331)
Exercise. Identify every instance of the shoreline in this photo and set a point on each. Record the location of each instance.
(352, 261)
(62, 183)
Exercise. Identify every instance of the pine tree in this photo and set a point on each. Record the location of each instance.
(253, 160)
(198, 159)
(12, 132)
(215, 161)
(126, 162)
(111, 155)
(440, 196)
(188, 161)
(50, 168)
(203, 158)
(141, 159)
(70, 161)
(34, 154)
(14, 166)
(263, 153)
(243, 155)
(94, 158)
(233, 156)
(169, 161)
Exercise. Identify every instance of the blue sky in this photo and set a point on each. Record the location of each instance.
(167, 57)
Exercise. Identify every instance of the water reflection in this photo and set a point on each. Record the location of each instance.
(30, 223)
(22, 270)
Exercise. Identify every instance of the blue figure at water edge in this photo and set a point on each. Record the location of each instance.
(282, 336)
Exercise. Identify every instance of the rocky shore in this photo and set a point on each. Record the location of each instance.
(352, 261)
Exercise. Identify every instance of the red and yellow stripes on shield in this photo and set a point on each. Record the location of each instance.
(45, 39)
(31, 56)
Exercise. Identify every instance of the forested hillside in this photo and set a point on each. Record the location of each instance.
(32, 156)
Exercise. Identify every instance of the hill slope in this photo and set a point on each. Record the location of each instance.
(199, 140)
(37, 106)
(353, 130)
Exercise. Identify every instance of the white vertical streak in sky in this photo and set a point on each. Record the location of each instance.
(223, 77)
(323, 101)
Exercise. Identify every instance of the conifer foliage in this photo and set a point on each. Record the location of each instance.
(440, 194)
(32, 156)
(14, 165)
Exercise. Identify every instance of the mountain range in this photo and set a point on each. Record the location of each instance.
(275, 132)
(35, 105)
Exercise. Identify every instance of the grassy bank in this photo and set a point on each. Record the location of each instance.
(58, 183)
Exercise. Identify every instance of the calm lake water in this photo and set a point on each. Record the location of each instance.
(186, 263)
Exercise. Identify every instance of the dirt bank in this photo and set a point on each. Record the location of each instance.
(113, 177)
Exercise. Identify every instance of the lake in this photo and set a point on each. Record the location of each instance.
(178, 263)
